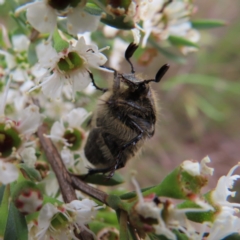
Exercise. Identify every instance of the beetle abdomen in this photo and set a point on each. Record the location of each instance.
(103, 149)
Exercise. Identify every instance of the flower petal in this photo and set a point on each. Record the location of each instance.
(76, 117)
(80, 21)
(42, 17)
(30, 119)
(52, 85)
(8, 172)
(80, 80)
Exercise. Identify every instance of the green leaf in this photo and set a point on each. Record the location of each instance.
(58, 43)
(4, 208)
(207, 23)
(107, 216)
(16, 225)
(118, 22)
(32, 173)
(93, 9)
(32, 55)
(101, 179)
(179, 41)
(167, 53)
(133, 194)
(209, 110)
(199, 217)
(163, 189)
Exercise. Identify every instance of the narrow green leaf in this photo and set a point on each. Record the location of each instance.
(133, 194)
(118, 22)
(209, 110)
(101, 179)
(4, 209)
(203, 80)
(107, 216)
(179, 41)
(32, 55)
(16, 225)
(123, 223)
(199, 217)
(207, 23)
(32, 173)
(167, 53)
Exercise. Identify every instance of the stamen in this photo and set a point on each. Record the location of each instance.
(103, 49)
(138, 190)
(233, 169)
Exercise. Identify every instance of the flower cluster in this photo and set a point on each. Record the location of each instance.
(218, 215)
(59, 221)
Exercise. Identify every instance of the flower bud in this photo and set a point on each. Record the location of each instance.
(27, 197)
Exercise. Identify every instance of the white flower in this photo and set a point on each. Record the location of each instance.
(195, 169)
(72, 65)
(8, 172)
(164, 20)
(221, 193)
(57, 108)
(85, 210)
(225, 224)
(71, 137)
(15, 133)
(43, 17)
(67, 157)
(174, 217)
(17, 62)
(29, 120)
(149, 209)
(28, 155)
(71, 215)
(74, 119)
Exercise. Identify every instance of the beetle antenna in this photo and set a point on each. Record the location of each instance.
(161, 72)
(128, 54)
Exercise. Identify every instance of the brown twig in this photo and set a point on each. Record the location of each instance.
(67, 182)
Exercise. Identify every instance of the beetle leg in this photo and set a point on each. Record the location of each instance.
(94, 84)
